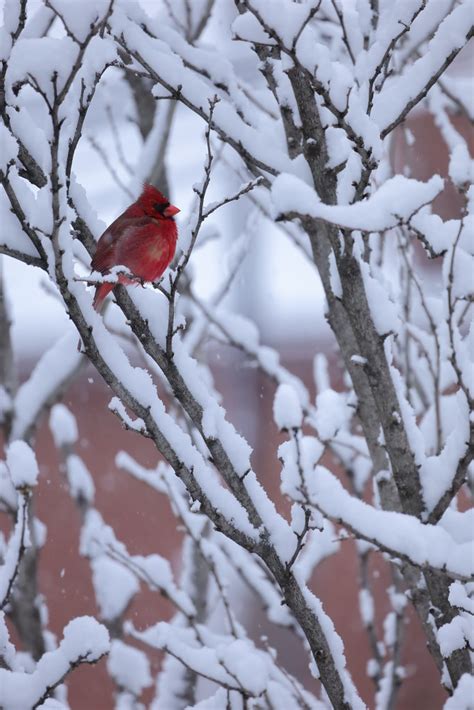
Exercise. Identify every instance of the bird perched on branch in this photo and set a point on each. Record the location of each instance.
(142, 239)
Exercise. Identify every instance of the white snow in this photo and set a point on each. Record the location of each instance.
(129, 667)
(336, 285)
(18, 539)
(461, 699)
(332, 413)
(450, 35)
(455, 635)
(383, 310)
(84, 640)
(459, 597)
(366, 606)
(297, 471)
(287, 411)
(359, 360)
(395, 201)
(81, 483)
(52, 704)
(22, 464)
(114, 586)
(63, 425)
(53, 369)
(395, 209)
(8, 147)
(422, 544)
(236, 663)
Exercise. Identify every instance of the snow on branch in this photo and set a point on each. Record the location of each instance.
(462, 695)
(84, 641)
(398, 534)
(407, 90)
(303, 99)
(394, 203)
(98, 539)
(51, 376)
(23, 471)
(14, 552)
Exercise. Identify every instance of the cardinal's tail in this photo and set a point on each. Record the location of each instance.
(101, 293)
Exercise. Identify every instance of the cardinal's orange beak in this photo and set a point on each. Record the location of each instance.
(170, 211)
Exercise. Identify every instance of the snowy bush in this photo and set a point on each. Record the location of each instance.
(306, 130)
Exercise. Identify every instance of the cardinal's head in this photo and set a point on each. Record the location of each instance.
(155, 204)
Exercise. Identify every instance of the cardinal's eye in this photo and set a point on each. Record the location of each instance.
(161, 206)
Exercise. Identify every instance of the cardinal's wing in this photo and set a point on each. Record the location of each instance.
(105, 256)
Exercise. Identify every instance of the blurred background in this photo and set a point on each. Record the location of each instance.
(278, 287)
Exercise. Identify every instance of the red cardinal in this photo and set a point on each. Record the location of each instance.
(143, 239)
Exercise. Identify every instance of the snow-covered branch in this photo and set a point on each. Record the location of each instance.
(305, 101)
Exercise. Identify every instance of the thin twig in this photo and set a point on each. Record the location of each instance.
(345, 37)
(105, 159)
